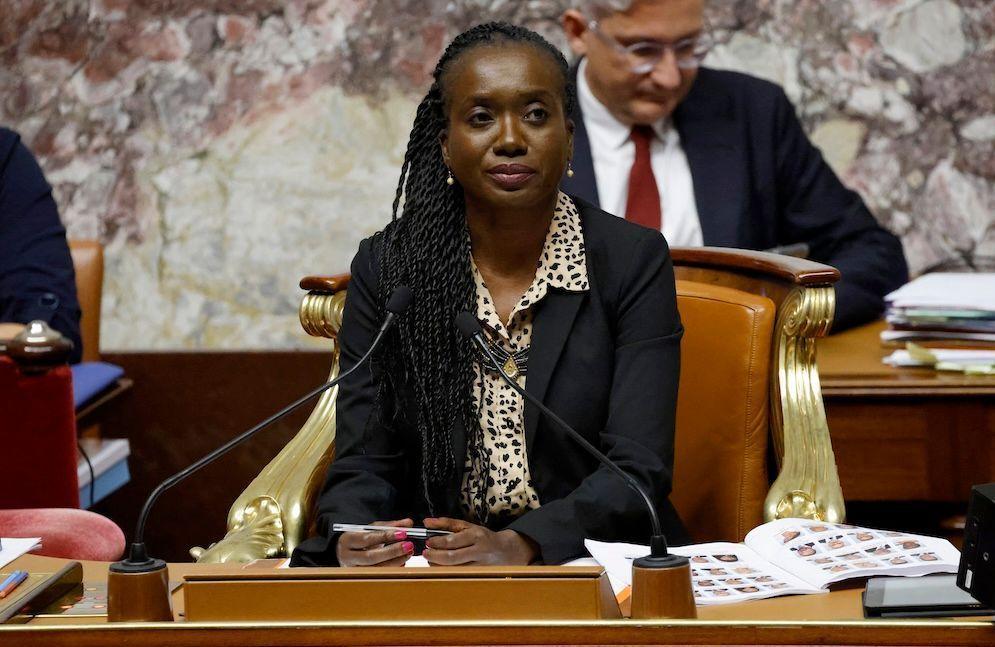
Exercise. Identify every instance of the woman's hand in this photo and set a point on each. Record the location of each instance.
(384, 548)
(472, 544)
(10, 330)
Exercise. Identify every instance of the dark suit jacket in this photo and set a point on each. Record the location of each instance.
(606, 360)
(759, 182)
(36, 271)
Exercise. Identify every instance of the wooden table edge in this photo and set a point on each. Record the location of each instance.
(866, 388)
(661, 632)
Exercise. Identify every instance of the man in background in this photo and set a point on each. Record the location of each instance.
(36, 271)
(711, 157)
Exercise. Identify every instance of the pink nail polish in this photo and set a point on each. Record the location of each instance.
(400, 534)
(408, 547)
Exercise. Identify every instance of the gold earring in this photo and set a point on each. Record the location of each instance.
(449, 180)
(570, 169)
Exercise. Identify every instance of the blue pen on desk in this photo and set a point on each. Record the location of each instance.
(10, 578)
(9, 586)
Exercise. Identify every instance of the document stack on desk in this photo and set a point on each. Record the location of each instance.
(788, 556)
(943, 310)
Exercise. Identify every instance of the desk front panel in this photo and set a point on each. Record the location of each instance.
(904, 434)
(828, 619)
(912, 449)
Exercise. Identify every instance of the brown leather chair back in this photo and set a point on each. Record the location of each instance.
(88, 261)
(720, 463)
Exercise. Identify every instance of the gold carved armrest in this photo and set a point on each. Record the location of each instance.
(272, 515)
(807, 484)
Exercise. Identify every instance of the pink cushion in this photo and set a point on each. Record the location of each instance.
(66, 532)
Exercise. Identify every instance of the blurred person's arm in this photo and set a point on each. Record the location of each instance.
(37, 280)
(840, 230)
(10, 330)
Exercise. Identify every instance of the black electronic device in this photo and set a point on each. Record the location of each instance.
(919, 597)
(976, 574)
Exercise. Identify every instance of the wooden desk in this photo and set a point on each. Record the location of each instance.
(831, 619)
(904, 434)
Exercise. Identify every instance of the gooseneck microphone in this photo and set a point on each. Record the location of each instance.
(661, 581)
(138, 560)
(470, 327)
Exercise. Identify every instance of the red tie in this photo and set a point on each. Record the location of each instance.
(642, 206)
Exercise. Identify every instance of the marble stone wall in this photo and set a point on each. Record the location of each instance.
(221, 149)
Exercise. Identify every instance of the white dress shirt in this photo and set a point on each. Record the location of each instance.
(613, 154)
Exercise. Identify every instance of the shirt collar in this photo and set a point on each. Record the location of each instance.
(601, 124)
(562, 265)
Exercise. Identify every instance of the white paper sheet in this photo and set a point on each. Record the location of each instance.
(13, 547)
(972, 291)
(959, 357)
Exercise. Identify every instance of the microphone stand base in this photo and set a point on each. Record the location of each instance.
(139, 594)
(661, 588)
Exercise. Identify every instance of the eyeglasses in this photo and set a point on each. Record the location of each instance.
(646, 55)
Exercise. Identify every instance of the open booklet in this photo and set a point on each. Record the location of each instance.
(789, 556)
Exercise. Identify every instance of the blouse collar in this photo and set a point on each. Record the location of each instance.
(562, 265)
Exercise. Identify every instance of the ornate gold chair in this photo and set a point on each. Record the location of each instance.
(748, 374)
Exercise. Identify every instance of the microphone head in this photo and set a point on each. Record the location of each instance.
(400, 300)
(467, 324)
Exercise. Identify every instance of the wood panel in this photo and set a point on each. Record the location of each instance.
(904, 434)
(185, 404)
(831, 619)
(619, 632)
(903, 449)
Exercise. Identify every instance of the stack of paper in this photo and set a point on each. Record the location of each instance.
(945, 309)
(972, 362)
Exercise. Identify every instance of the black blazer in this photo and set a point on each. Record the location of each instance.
(606, 360)
(759, 182)
(37, 280)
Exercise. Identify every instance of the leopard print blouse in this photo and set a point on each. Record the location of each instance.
(497, 460)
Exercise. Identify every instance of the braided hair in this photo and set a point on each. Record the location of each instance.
(427, 248)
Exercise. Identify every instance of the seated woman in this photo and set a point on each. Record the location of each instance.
(581, 306)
